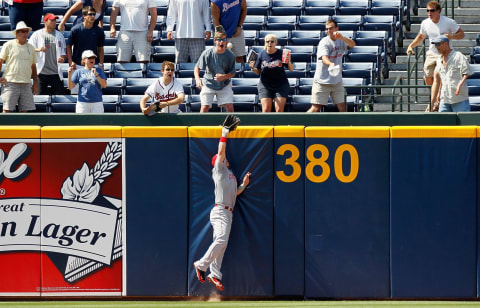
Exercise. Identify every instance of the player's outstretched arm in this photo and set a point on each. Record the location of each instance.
(246, 181)
(222, 145)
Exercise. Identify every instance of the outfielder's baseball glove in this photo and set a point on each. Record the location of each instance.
(231, 122)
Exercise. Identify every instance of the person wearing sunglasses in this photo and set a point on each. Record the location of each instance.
(166, 93)
(100, 7)
(219, 65)
(327, 81)
(273, 85)
(85, 36)
(432, 27)
(449, 79)
(91, 80)
(20, 60)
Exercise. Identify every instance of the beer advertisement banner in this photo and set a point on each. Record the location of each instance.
(81, 211)
(19, 202)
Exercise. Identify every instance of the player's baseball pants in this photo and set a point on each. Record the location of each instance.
(221, 220)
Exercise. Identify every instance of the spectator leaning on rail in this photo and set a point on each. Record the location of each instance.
(327, 80)
(51, 51)
(100, 7)
(434, 26)
(193, 21)
(166, 91)
(20, 58)
(273, 84)
(219, 65)
(91, 81)
(231, 15)
(136, 34)
(451, 73)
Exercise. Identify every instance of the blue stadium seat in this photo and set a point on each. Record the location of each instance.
(250, 36)
(372, 54)
(4, 23)
(293, 83)
(110, 54)
(300, 70)
(391, 7)
(110, 103)
(162, 7)
(188, 85)
(283, 36)
(376, 38)
(195, 104)
(6, 36)
(475, 71)
(115, 86)
(244, 85)
(106, 23)
(320, 7)
(137, 86)
(287, 7)
(69, 23)
(299, 103)
(352, 105)
(258, 7)
(313, 22)
(164, 41)
(63, 103)
(305, 37)
(128, 70)
(130, 103)
(107, 68)
(353, 7)
(153, 70)
(281, 22)
(384, 23)
(364, 70)
(475, 55)
(110, 41)
(56, 7)
(473, 87)
(302, 53)
(254, 22)
(162, 53)
(161, 22)
(186, 70)
(248, 73)
(245, 103)
(305, 86)
(42, 103)
(348, 22)
(474, 103)
(64, 69)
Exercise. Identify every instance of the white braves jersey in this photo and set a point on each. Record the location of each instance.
(158, 91)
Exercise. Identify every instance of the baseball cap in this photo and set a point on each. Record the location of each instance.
(214, 158)
(439, 39)
(49, 16)
(88, 54)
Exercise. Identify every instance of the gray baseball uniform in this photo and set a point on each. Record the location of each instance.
(220, 218)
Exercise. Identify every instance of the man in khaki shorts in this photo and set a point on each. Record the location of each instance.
(219, 65)
(231, 14)
(21, 66)
(434, 26)
(328, 75)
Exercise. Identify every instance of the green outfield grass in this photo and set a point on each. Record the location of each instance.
(237, 304)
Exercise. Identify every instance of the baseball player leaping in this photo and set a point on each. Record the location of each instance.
(226, 192)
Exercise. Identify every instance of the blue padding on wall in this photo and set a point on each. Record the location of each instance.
(433, 210)
(156, 212)
(247, 266)
(289, 224)
(347, 224)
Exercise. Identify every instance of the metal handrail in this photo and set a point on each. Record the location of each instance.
(414, 69)
(399, 80)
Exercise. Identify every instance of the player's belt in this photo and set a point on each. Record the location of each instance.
(227, 208)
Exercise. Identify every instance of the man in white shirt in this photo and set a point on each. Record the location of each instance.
(451, 72)
(51, 51)
(193, 21)
(434, 26)
(166, 93)
(136, 34)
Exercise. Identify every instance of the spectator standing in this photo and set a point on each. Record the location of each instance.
(21, 59)
(51, 51)
(273, 84)
(434, 26)
(451, 73)
(85, 37)
(28, 11)
(136, 34)
(231, 15)
(327, 80)
(166, 91)
(100, 7)
(219, 65)
(91, 81)
(192, 18)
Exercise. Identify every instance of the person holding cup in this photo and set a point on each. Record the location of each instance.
(327, 81)
(273, 84)
(91, 81)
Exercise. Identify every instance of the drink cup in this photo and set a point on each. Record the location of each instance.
(285, 54)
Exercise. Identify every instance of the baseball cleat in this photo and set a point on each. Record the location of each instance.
(200, 274)
(216, 282)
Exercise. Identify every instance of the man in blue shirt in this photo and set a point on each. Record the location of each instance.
(231, 15)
